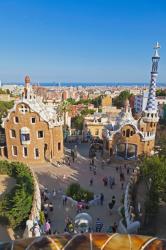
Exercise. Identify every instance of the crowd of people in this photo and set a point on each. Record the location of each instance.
(44, 224)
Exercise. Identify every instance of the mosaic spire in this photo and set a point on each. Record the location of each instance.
(151, 103)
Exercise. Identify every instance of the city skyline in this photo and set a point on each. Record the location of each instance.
(81, 41)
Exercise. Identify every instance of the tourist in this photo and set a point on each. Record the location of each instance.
(91, 181)
(94, 169)
(72, 155)
(113, 200)
(110, 182)
(46, 213)
(51, 206)
(47, 227)
(110, 206)
(54, 193)
(128, 170)
(45, 205)
(36, 230)
(101, 199)
(99, 225)
(79, 207)
(105, 181)
(122, 178)
(114, 227)
(68, 161)
(113, 180)
(64, 198)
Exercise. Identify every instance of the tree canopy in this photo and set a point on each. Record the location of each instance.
(154, 174)
(160, 92)
(4, 106)
(120, 100)
(16, 205)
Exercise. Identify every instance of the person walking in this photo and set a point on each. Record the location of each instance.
(110, 182)
(105, 181)
(36, 230)
(101, 199)
(94, 169)
(64, 198)
(113, 200)
(114, 227)
(128, 171)
(47, 227)
(99, 225)
(110, 206)
(54, 193)
(91, 182)
(51, 207)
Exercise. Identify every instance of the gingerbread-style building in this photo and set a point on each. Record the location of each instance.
(33, 130)
(128, 138)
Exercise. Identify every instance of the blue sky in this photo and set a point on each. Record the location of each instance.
(81, 40)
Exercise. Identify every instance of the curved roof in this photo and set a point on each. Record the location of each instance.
(95, 241)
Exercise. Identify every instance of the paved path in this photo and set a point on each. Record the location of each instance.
(60, 177)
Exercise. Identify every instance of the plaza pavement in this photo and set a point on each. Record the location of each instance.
(60, 177)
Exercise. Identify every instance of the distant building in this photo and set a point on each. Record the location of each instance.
(140, 102)
(106, 101)
(33, 130)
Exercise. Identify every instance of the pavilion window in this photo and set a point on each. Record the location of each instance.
(16, 119)
(12, 133)
(25, 135)
(40, 134)
(25, 151)
(127, 132)
(36, 153)
(14, 151)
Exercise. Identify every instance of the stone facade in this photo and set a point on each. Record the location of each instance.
(33, 133)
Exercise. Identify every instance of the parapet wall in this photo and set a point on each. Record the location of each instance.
(36, 207)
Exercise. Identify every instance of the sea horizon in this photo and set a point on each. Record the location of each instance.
(87, 84)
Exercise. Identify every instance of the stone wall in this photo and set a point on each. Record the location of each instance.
(132, 224)
(36, 207)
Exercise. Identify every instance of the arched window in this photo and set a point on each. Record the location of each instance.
(152, 115)
(142, 129)
(123, 132)
(131, 133)
(148, 115)
(127, 132)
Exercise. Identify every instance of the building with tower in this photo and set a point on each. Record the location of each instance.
(33, 130)
(128, 138)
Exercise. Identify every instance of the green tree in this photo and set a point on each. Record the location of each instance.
(160, 92)
(77, 122)
(4, 107)
(16, 205)
(153, 171)
(120, 100)
(97, 101)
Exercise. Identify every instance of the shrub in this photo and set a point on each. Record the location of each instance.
(16, 205)
(78, 193)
